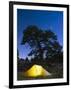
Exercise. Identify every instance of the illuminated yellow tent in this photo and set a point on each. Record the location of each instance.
(35, 71)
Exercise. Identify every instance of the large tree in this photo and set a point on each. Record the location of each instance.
(41, 42)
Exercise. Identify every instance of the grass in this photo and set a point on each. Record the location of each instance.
(56, 72)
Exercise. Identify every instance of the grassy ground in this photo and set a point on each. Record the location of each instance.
(56, 72)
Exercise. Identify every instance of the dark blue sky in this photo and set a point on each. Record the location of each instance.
(42, 19)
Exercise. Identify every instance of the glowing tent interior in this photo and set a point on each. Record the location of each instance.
(35, 71)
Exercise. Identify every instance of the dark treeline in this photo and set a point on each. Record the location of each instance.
(45, 48)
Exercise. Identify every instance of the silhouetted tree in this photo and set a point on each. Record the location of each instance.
(27, 61)
(41, 42)
(32, 36)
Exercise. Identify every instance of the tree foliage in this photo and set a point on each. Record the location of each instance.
(42, 42)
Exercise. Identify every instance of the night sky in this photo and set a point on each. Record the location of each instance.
(42, 19)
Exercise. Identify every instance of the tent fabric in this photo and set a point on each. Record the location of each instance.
(35, 71)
